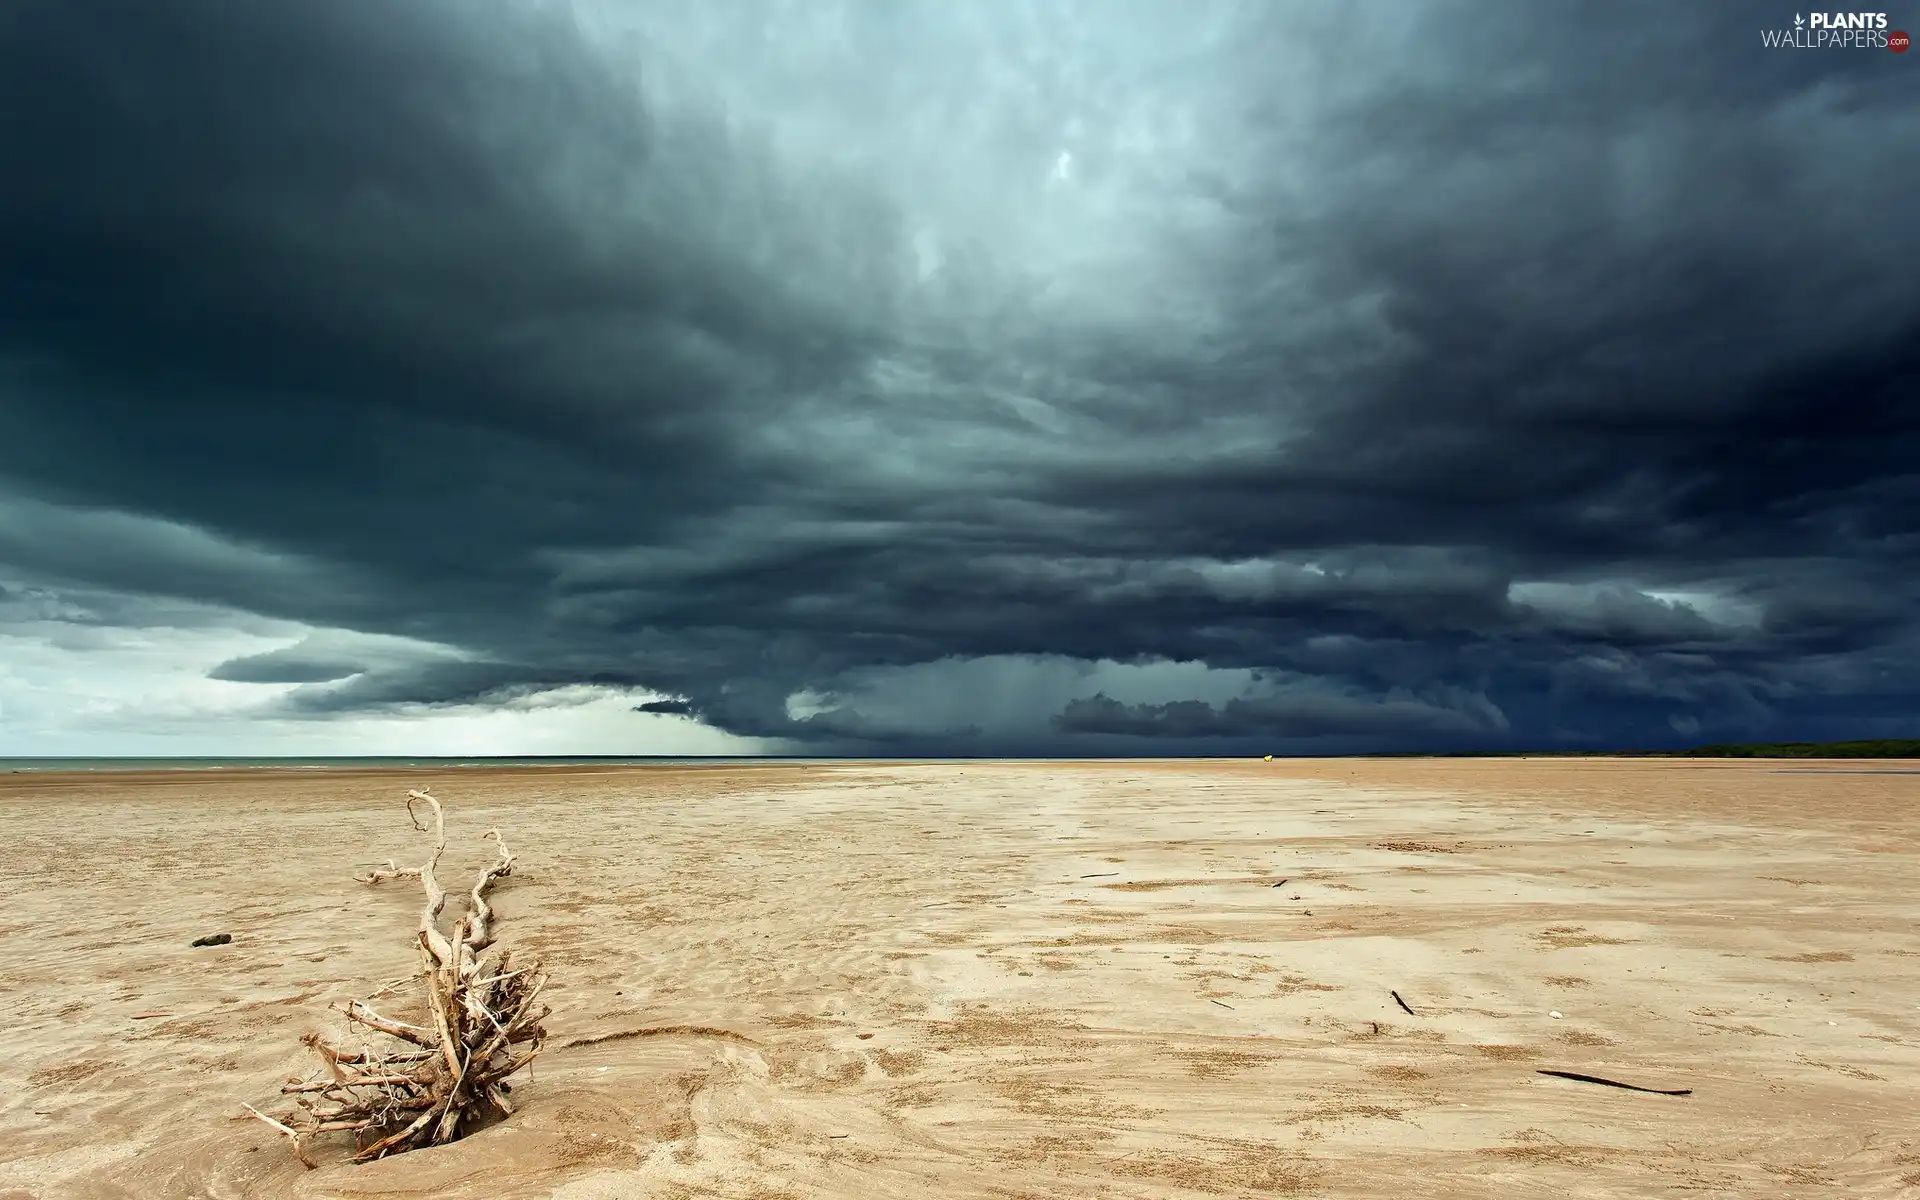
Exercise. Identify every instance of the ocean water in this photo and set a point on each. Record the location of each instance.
(184, 763)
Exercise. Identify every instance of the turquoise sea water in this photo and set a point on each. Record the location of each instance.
(363, 763)
(374, 762)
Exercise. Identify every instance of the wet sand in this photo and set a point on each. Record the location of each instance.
(1003, 980)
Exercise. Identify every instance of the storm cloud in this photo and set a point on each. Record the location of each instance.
(926, 378)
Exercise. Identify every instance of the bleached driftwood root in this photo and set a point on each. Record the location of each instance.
(434, 1081)
(382, 874)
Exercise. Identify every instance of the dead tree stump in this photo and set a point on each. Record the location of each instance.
(430, 1083)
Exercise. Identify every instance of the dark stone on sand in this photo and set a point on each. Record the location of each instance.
(213, 939)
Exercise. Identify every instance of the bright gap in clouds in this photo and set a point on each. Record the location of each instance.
(71, 687)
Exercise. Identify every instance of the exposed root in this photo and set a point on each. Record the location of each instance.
(435, 1081)
(382, 874)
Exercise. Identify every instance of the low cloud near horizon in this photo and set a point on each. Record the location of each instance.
(915, 378)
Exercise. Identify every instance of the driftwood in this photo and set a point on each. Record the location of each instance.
(382, 874)
(1615, 1083)
(436, 1081)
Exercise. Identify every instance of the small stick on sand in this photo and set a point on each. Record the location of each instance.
(1615, 1083)
(1224, 1005)
(390, 872)
(1404, 1006)
(291, 1133)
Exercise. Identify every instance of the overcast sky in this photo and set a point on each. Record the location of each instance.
(926, 377)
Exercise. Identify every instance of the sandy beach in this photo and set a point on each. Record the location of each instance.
(1115, 980)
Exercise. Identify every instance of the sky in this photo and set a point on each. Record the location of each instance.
(908, 377)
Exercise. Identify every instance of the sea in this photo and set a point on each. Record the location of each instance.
(367, 762)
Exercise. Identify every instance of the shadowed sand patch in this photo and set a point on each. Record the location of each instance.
(1544, 1153)
(1568, 937)
(1256, 1168)
(1581, 1037)
(1507, 1053)
(1398, 1073)
(1213, 1064)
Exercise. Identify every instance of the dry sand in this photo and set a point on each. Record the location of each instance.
(1005, 980)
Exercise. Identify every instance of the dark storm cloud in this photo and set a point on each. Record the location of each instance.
(1316, 714)
(929, 376)
(283, 666)
(412, 685)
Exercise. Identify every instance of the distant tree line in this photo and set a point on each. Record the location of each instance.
(1877, 748)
